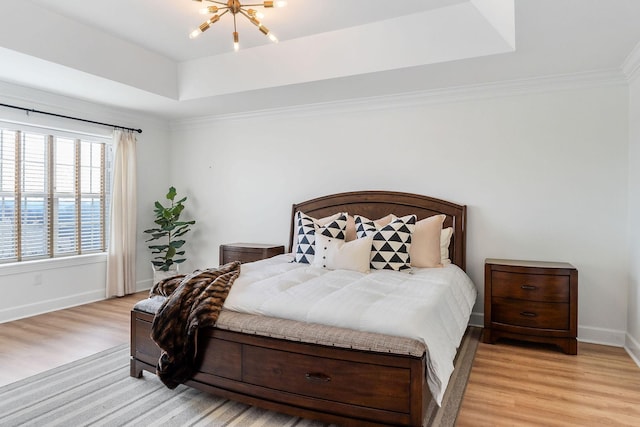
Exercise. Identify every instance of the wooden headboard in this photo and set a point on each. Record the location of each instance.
(376, 204)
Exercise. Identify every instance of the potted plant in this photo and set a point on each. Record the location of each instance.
(169, 229)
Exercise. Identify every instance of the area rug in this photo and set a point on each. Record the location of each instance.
(98, 391)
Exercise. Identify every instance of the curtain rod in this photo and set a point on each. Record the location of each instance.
(31, 110)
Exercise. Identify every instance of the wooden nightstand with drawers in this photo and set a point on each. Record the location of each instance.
(248, 252)
(531, 301)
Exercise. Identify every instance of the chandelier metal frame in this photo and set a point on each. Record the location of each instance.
(235, 7)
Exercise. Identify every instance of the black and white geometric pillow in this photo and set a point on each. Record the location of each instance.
(307, 227)
(364, 226)
(391, 243)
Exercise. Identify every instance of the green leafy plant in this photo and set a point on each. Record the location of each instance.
(170, 228)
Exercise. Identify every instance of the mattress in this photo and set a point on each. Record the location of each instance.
(431, 305)
(310, 333)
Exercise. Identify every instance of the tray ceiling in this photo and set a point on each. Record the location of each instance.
(137, 54)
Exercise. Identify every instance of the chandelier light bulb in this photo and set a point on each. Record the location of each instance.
(254, 21)
(208, 10)
(272, 37)
(255, 13)
(201, 29)
(204, 27)
(280, 3)
(236, 43)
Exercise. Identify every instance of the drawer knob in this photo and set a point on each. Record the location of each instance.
(317, 377)
(527, 314)
(528, 287)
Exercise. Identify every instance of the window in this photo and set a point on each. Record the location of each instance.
(54, 190)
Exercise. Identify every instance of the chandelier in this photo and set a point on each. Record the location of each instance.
(236, 8)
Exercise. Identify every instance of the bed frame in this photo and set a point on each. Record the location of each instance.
(335, 385)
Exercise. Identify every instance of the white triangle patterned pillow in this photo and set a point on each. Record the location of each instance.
(306, 228)
(370, 225)
(391, 243)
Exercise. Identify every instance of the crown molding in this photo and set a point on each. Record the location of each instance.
(631, 64)
(600, 78)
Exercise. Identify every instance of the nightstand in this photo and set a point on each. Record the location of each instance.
(248, 252)
(531, 301)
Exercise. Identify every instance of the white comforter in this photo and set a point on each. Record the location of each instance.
(429, 304)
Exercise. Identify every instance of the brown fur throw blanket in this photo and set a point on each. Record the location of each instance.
(193, 301)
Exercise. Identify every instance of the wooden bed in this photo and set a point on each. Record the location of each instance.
(337, 385)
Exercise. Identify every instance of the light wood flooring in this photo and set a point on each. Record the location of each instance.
(511, 384)
(36, 344)
(519, 384)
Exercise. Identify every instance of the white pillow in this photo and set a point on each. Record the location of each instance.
(445, 239)
(336, 254)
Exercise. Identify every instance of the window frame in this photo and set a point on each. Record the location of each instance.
(98, 241)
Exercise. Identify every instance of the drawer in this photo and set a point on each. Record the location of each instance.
(242, 255)
(530, 287)
(146, 350)
(532, 314)
(218, 357)
(384, 387)
(222, 358)
(248, 252)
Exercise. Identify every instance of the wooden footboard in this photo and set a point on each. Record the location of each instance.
(348, 387)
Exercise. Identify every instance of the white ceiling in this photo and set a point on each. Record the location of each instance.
(137, 54)
(164, 26)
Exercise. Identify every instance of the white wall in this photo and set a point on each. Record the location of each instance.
(40, 286)
(544, 176)
(633, 322)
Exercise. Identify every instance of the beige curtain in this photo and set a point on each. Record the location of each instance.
(121, 259)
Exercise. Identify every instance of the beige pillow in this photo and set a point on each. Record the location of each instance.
(350, 234)
(445, 239)
(385, 220)
(336, 254)
(425, 242)
(327, 219)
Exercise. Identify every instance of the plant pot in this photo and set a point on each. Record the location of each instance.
(159, 275)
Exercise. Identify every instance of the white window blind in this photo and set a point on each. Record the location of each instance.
(53, 193)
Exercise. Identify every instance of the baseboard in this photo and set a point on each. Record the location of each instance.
(40, 307)
(601, 336)
(144, 285)
(477, 319)
(633, 348)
